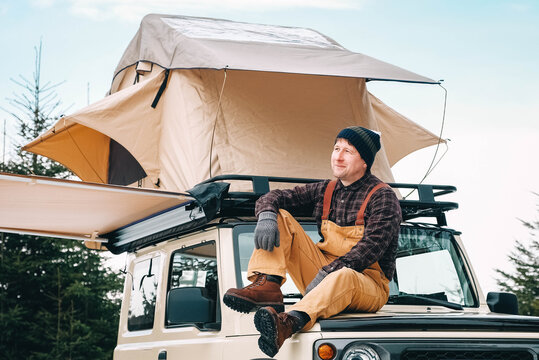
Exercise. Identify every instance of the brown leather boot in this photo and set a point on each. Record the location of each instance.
(274, 329)
(261, 292)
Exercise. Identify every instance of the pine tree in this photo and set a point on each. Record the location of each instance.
(57, 299)
(34, 111)
(524, 281)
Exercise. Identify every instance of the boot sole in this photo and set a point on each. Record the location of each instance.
(266, 347)
(244, 305)
(265, 324)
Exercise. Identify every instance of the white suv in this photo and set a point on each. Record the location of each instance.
(181, 261)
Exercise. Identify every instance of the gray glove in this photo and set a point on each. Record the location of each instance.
(317, 280)
(266, 231)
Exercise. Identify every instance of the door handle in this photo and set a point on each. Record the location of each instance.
(162, 355)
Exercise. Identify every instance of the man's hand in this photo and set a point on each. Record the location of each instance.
(266, 231)
(317, 280)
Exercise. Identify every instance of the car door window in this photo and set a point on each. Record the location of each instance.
(143, 294)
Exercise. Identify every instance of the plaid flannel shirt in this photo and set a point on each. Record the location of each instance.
(382, 218)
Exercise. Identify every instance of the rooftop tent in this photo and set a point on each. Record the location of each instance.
(245, 98)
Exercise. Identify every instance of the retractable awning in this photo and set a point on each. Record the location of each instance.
(42, 206)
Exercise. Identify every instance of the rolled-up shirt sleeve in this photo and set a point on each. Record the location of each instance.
(290, 199)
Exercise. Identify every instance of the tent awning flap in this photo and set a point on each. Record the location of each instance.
(72, 209)
(401, 133)
(81, 141)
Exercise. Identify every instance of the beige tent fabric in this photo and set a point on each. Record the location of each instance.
(287, 127)
(83, 150)
(398, 129)
(269, 124)
(266, 124)
(189, 107)
(126, 116)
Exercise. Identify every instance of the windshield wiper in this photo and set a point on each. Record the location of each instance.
(408, 299)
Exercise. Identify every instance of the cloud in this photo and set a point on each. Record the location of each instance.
(86, 10)
(134, 10)
(42, 3)
(518, 7)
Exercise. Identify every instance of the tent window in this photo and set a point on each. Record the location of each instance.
(124, 169)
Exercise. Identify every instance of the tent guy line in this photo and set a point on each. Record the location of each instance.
(217, 112)
(433, 165)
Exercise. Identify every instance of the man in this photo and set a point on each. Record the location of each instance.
(358, 218)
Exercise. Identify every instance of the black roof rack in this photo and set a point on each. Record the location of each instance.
(213, 199)
(242, 203)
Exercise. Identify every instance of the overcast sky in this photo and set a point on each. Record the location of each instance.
(486, 52)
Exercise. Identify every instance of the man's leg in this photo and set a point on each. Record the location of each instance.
(344, 289)
(297, 253)
(275, 328)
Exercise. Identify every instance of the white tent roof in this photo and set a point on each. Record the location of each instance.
(180, 42)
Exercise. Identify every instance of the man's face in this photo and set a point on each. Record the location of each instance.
(346, 163)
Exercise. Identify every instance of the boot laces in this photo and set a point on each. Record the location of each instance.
(260, 279)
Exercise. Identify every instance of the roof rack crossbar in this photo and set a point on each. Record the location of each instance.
(426, 192)
(425, 206)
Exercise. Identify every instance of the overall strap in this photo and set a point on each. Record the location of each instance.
(327, 198)
(361, 212)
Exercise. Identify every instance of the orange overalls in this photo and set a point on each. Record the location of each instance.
(343, 289)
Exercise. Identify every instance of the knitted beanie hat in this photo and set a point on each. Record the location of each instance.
(366, 142)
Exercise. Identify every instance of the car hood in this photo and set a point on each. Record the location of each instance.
(429, 319)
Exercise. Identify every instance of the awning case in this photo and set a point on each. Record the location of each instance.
(44, 206)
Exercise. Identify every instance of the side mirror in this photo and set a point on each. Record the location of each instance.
(188, 305)
(504, 303)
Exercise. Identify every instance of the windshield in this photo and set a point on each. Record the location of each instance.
(428, 265)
